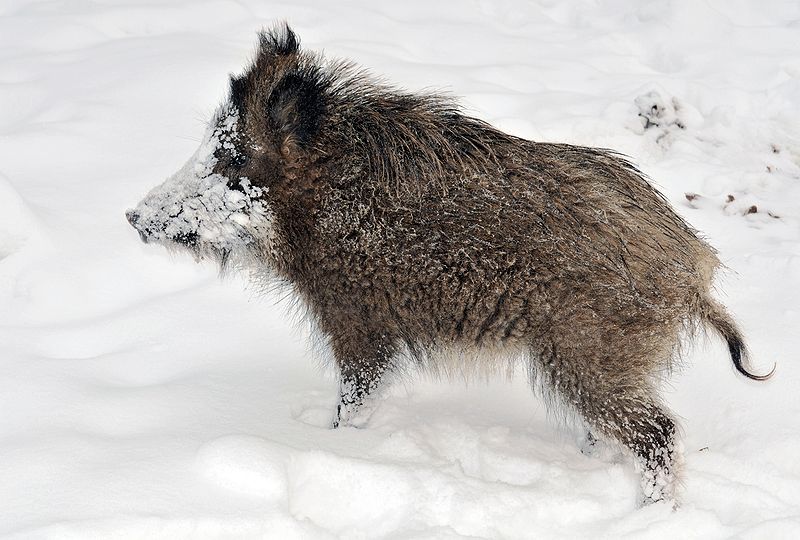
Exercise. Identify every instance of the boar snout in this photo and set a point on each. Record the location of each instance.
(133, 217)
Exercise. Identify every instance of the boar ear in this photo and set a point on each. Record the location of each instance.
(296, 107)
(238, 87)
(279, 41)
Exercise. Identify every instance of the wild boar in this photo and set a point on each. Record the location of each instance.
(411, 231)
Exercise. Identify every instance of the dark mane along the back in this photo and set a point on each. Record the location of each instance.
(408, 135)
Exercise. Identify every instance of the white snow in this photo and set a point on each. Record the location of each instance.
(142, 397)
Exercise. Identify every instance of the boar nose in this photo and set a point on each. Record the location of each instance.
(132, 216)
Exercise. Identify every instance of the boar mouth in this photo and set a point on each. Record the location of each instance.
(187, 239)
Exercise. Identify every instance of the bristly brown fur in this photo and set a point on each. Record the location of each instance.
(408, 228)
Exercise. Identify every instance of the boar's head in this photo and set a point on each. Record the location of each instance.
(222, 204)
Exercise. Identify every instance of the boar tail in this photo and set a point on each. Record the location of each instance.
(714, 314)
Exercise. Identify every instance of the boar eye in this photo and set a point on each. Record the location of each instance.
(239, 161)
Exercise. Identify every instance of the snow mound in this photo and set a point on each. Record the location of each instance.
(18, 223)
(245, 465)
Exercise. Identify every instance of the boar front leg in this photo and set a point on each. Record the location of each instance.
(363, 362)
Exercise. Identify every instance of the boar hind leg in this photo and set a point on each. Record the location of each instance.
(646, 429)
(363, 365)
(620, 407)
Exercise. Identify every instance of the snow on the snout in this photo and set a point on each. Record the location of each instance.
(197, 201)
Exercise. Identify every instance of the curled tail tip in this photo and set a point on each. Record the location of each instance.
(755, 377)
(737, 351)
(715, 314)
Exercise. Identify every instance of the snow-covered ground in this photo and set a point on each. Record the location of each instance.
(142, 397)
